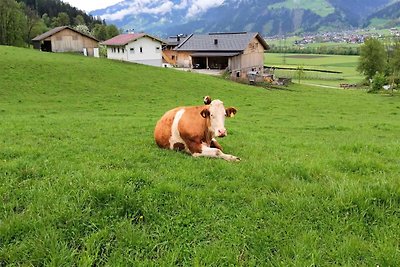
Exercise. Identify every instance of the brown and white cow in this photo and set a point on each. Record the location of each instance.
(194, 129)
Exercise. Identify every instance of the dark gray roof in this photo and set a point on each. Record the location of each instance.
(56, 30)
(224, 42)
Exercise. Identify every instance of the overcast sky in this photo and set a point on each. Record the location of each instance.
(89, 5)
(156, 7)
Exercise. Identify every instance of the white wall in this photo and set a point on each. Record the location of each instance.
(143, 51)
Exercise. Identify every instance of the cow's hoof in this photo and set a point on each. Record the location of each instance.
(233, 158)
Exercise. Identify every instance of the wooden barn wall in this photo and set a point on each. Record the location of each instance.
(70, 41)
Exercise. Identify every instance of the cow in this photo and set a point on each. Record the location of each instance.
(194, 129)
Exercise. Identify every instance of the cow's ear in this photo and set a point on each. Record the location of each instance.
(207, 100)
(230, 112)
(205, 113)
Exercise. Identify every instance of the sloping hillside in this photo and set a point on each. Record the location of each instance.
(82, 182)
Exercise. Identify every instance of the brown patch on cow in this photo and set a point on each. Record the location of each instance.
(179, 146)
(162, 132)
(215, 144)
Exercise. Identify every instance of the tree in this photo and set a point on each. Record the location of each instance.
(32, 21)
(394, 65)
(61, 20)
(300, 73)
(112, 31)
(79, 20)
(373, 58)
(100, 32)
(12, 23)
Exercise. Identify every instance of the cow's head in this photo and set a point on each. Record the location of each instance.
(216, 113)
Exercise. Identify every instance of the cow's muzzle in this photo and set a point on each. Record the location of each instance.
(222, 133)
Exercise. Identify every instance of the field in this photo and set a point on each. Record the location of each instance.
(344, 64)
(82, 182)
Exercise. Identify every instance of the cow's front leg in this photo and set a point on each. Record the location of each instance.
(212, 152)
(215, 144)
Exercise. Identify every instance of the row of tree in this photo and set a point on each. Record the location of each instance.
(22, 21)
(327, 50)
(380, 63)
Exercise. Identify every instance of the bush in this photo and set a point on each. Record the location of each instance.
(378, 81)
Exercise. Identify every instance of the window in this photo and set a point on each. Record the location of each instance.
(123, 50)
(132, 50)
(157, 49)
(118, 49)
(141, 49)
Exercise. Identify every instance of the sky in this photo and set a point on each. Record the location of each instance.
(89, 5)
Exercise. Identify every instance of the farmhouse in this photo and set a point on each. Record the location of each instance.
(66, 39)
(135, 47)
(238, 52)
(170, 55)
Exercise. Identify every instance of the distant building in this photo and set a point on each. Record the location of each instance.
(238, 53)
(135, 47)
(66, 39)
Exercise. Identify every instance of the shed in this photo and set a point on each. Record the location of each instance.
(238, 52)
(66, 39)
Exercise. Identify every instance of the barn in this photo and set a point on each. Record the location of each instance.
(238, 52)
(66, 39)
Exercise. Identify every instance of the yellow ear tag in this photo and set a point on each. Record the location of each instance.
(232, 115)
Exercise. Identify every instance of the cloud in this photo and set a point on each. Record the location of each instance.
(160, 7)
(201, 6)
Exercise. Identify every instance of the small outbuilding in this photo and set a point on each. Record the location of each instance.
(140, 48)
(237, 52)
(66, 39)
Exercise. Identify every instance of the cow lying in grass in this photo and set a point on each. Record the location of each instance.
(194, 129)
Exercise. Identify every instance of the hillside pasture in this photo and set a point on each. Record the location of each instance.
(344, 64)
(82, 182)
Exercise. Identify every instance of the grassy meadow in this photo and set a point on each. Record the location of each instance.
(339, 63)
(82, 182)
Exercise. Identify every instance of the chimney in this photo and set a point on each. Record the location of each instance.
(215, 41)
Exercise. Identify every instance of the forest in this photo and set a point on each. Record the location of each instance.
(20, 21)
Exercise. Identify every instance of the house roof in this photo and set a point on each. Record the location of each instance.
(219, 42)
(126, 38)
(58, 29)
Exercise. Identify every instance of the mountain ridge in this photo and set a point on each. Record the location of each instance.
(269, 17)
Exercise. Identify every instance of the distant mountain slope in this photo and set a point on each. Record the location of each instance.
(386, 17)
(269, 17)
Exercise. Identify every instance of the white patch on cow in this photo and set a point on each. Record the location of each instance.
(207, 151)
(175, 135)
(217, 118)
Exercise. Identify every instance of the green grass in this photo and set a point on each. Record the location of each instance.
(345, 64)
(82, 182)
(320, 7)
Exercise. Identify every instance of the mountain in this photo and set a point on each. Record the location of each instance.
(387, 17)
(269, 17)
